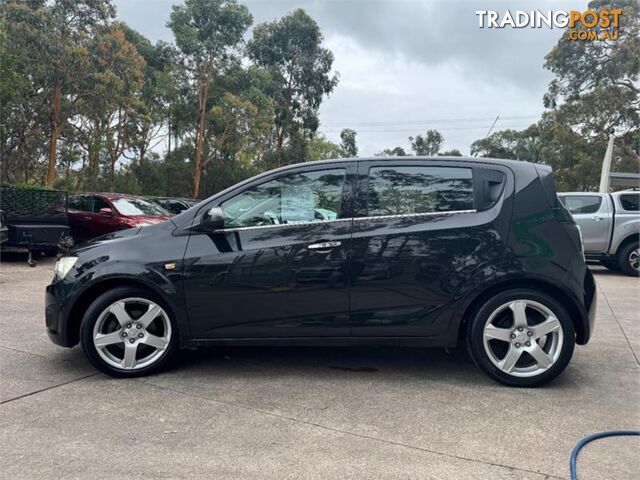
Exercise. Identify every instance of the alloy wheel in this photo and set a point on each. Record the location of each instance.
(132, 333)
(634, 258)
(523, 338)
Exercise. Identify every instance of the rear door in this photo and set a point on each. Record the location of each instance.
(593, 213)
(280, 266)
(421, 231)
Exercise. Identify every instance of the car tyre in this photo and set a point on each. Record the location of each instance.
(629, 258)
(521, 338)
(129, 332)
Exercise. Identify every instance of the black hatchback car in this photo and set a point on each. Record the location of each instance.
(418, 252)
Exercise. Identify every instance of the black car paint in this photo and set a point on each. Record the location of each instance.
(264, 285)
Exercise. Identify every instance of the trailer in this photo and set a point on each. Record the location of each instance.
(36, 221)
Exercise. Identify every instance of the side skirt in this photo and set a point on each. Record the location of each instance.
(326, 341)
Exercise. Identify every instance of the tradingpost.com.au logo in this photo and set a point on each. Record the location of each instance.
(590, 25)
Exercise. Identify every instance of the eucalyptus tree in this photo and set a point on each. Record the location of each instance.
(207, 33)
(429, 144)
(55, 35)
(300, 68)
(348, 145)
(595, 89)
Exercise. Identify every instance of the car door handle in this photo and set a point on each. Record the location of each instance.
(324, 245)
(88, 218)
(597, 218)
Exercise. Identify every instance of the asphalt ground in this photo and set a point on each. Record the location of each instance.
(279, 413)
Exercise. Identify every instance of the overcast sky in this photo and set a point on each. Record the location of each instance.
(407, 65)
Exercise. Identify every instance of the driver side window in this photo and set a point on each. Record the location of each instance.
(295, 198)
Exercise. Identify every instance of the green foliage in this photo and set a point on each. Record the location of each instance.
(320, 148)
(392, 152)
(510, 144)
(89, 100)
(428, 145)
(348, 143)
(208, 34)
(207, 30)
(454, 152)
(594, 92)
(300, 70)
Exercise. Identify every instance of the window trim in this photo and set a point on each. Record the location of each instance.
(425, 214)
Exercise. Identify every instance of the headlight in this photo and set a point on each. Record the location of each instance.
(63, 265)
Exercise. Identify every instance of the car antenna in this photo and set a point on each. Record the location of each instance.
(489, 132)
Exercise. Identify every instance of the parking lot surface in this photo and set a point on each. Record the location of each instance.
(277, 413)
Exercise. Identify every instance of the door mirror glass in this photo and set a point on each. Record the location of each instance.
(213, 219)
(106, 212)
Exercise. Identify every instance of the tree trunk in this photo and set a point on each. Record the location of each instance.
(169, 132)
(53, 139)
(112, 179)
(203, 92)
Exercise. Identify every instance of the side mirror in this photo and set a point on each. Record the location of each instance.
(106, 212)
(213, 219)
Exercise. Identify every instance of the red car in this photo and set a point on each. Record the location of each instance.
(94, 214)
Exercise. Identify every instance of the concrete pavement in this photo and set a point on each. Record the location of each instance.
(311, 412)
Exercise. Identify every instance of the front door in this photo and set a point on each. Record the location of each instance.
(102, 223)
(417, 240)
(279, 268)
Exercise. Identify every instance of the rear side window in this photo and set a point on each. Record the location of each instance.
(81, 203)
(630, 202)
(582, 204)
(419, 189)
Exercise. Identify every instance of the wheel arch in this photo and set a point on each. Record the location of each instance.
(633, 237)
(474, 304)
(85, 298)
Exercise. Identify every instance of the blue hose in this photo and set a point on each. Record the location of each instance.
(590, 438)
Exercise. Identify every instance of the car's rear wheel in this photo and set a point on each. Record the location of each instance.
(128, 332)
(522, 338)
(629, 259)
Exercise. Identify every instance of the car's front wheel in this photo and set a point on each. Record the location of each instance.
(128, 332)
(522, 338)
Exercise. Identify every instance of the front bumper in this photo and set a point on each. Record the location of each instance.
(54, 318)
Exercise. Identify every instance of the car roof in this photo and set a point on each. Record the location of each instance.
(410, 158)
(109, 195)
(182, 199)
(580, 193)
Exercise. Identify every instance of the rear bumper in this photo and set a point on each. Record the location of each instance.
(592, 315)
(589, 307)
